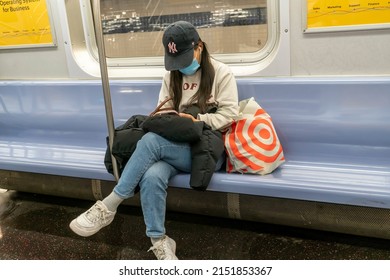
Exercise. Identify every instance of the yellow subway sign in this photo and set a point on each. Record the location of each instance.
(24, 23)
(347, 12)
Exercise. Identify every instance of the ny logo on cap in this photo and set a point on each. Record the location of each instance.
(172, 47)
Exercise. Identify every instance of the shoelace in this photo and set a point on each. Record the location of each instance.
(159, 249)
(96, 213)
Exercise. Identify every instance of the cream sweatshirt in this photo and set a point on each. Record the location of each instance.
(223, 94)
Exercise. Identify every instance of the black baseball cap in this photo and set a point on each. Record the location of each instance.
(179, 40)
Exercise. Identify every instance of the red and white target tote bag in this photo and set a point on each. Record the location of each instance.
(251, 143)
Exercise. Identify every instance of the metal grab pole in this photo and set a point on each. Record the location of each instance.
(105, 80)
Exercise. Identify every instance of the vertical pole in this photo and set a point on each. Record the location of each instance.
(105, 80)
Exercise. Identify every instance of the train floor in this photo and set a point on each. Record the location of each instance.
(35, 227)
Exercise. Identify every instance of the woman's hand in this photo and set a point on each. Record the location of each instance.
(184, 115)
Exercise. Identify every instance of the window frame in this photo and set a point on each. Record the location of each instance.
(267, 60)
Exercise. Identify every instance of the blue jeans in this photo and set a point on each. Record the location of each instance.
(153, 163)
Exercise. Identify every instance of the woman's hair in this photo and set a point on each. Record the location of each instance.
(206, 82)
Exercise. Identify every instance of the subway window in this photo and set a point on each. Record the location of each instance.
(133, 29)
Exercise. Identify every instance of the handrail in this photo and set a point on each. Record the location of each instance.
(105, 80)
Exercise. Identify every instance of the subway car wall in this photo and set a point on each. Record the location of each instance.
(349, 53)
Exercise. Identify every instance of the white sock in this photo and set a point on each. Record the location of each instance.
(156, 239)
(112, 201)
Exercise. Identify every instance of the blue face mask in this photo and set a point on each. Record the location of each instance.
(190, 69)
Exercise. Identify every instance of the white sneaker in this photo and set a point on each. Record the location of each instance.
(164, 249)
(92, 220)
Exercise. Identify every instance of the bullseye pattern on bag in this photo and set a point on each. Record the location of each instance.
(251, 143)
